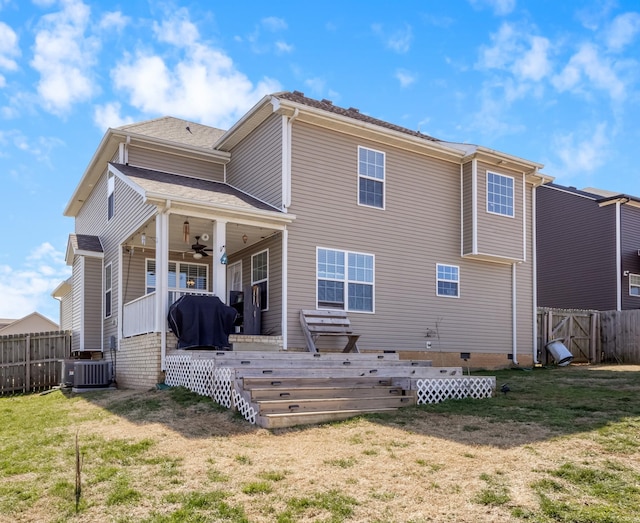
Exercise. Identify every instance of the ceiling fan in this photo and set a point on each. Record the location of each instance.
(199, 249)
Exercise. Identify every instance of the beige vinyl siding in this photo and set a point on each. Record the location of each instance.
(66, 311)
(130, 213)
(524, 288)
(93, 303)
(500, 235)
(170, 163)
(272, 318)
(467, 208)
(256, 163)
(419, 228)
(77, 302)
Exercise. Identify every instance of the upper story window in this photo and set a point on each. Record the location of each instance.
(370, 177)
(499, 194)
(260, 276)
(345, 278)
(107, 291)
(111, 186)
(448, 280)
(634, 284)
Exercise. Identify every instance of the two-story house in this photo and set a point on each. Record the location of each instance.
(588, 249)
(428, 245)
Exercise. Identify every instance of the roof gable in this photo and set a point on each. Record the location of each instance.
(177, 130)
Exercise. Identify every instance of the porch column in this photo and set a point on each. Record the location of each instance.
(162, 271)
(219, 278)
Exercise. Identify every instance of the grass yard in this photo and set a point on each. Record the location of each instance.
(562, 446)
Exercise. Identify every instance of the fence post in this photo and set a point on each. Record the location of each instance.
(27, 359)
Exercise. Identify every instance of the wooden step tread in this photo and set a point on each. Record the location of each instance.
(291, 419)
(266, 393)
(334, 404)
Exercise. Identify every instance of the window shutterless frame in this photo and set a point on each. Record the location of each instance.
(108, 294)
(260, 276)
(500, 194)
(447, 280)
(371, 177)
(111, 187)
(634, 285)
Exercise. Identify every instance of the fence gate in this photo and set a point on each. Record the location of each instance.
(30, 362)
(578, 330)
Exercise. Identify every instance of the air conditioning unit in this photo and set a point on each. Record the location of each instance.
(87, 374)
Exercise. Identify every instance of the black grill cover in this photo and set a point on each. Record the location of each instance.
(201, 321)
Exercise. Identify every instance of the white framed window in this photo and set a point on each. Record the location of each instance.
(260, 276)
(634, 284)
(345, 280)
(107, 291)
(111, 187)
(371, 175)
(500, 194)
(181, 276)
(447, 280)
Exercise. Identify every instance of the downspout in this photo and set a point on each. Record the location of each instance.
(514, 317)
(286, 203)
(474, 205)
(618, 259)
(534, 254)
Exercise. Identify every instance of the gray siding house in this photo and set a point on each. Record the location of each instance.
(428, 245)
(588, 249)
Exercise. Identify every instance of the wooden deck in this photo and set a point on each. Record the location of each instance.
(284, 389)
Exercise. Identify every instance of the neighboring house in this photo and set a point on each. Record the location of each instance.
(31, 323)
(63, 293)
(588, 244)
(427, 244)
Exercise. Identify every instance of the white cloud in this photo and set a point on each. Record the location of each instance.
(108, 116)
(40, 273)
(114, 21)
(499, 7)
(202, 84)
(63, 55)
(534, 63)
(178, 30)
(405, 77)
(518, 52)
(8, 48)
(398, 41)
(598, 70)
(284, 47)
(581, 154)
(623, 30)
(274, 24)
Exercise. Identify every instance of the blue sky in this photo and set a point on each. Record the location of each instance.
(557, 82)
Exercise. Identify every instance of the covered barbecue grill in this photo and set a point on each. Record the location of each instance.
(201, 322)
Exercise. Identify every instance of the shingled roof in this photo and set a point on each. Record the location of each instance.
(351, 112)
(177, 130)
(195, 189)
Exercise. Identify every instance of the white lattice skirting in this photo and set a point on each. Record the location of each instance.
(435, 390)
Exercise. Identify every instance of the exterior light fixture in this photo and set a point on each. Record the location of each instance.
(244, 238)
(223, 258)
(143, 238)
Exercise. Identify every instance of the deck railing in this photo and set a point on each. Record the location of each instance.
(139, 315)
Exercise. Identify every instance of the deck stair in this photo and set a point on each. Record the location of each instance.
(287, 389)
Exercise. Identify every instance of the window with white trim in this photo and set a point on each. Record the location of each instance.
(447, 280)
(260, 276)
(111, 187)
(345, 280)
(107, 291)
(634, 284)
(371, 174)
(181, 276)
(500, 194)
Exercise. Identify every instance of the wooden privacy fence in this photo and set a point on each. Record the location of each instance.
(620, 335)
(30, 362)
(578, 330)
